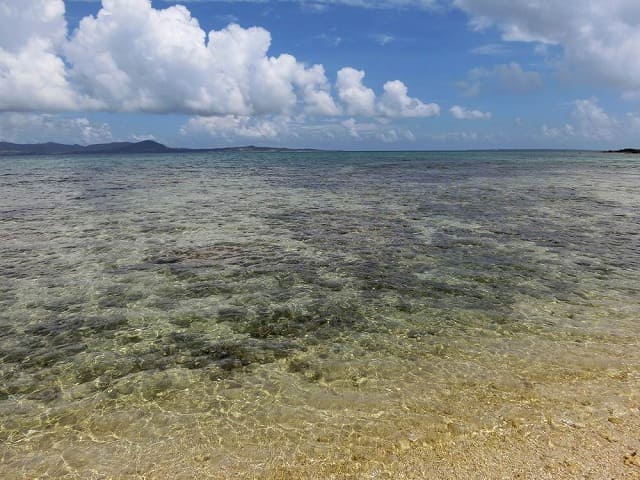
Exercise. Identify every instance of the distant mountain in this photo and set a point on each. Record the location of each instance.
(147, 146)
(625, 150)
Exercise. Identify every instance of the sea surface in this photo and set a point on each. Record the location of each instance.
(239, 315)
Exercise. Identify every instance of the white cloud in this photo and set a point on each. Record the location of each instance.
(34, 78)
(383, 3)
(394, 102)
(321, 5)
(381, 131)
(394, 135)
(314, 89)
(235, 127)
(352, 127)
(382, 38)
(456, 137)
(33, 128)
(143, 137)
(133, 57)
(462, 113)
(634, 122)
(490, 49)
(26, 20)
(591, 122)
(293, 131)
(32, 75)
(359, 100)
(600, 39)
(558, 132)
(504, 78)
(469, 88)
(514, 79)
(332, 40)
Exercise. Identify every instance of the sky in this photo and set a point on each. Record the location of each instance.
(338, 74)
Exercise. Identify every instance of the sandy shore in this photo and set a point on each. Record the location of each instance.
(582, 428)
(592, 439)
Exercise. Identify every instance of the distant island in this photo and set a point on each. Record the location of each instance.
(625, 150)
(151, 147)
(146, 146)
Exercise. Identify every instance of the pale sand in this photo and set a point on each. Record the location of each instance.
(593, 441)
(587, 428)
(497, 406)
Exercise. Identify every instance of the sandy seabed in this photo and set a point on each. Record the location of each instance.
(323, 315)
(539, 423)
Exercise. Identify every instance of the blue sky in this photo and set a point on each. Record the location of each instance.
(353, 74)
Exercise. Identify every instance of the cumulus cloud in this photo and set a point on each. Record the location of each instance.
(462, 113)
(32, 75)
(380, 131)
(393, 135)
(294, 131)
(33, 128)
(132, 57)
(504, 78)
(28, 20)
(600, 39)
(321, 5)
(589, 121)
(566, 130)
(394, 101)
(34, 78)
(592, 121)
(235, 127)
(359, 100)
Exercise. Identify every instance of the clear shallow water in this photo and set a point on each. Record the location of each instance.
(220, 314)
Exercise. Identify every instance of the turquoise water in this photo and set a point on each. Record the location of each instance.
(211, 312)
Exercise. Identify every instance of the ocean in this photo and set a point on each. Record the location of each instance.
(316, 314)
